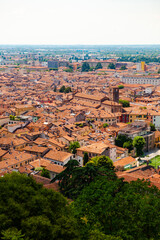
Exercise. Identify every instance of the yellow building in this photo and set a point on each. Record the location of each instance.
(143, 66)
(137, 116)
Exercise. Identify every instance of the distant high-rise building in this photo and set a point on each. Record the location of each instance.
(143, 66)
(53, 64)
(138, 66)
(56, 64)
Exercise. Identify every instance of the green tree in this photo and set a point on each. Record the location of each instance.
(102, 161)
(159, 71)
(138, 143)
(73, 147)
(97, 235)
(12, 117)
(152, 127)
(67, 90)
(121, 139)
(62, 89)
(85, 67)
(111, 66)
(12, 234)
(33, 211)
(120, 86)
(98, 66)
(85, 158)
(123, 67)
(68, 70)
(105, 125)
(73, 179)
(124, 103)
(45, 173)
(128, 145)
(92, 69)
(111, 205)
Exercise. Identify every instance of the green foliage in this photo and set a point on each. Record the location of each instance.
(155, 162)
(124, 103)
(97, 235)
(138, 143)
(68, 70)
(102, 161)
(120, 86)
(123, 67)
(121, 139)
(91, 69)
(85, 67)
(63, 89)
(0, 127)
(142, 108)
(74, 178)
(128, 145)
(53, 69)
(98, 66)
(107, 207)
(38, 168)
(139, 58)
(85, 158)
(105, 125)
(73, 147)
(33, 211)
(152, 127)
(111, 66)
(158, 71)
(11, 117)
(12, 234)
(67, 90)
(45, 173)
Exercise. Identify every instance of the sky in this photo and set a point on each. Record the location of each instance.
(89, 22)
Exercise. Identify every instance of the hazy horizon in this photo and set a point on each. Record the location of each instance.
(106, 22)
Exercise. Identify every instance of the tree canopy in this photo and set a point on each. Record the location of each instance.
(73, 147)
(85, 158)
(124, 142)
(111, 66)
(98, 66)
(124, 103)
(123, 67)
(74, 178)
(85, 67)
(152, 127)
(123, 210)
(120, 86)
(29, 211)
(45, 173)
(63, 89)
(138, 143)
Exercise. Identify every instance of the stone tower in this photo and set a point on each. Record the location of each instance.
(114, 94)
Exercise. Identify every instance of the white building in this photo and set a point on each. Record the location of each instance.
(141, 79)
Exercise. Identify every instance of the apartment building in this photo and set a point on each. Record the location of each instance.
(141, 79)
